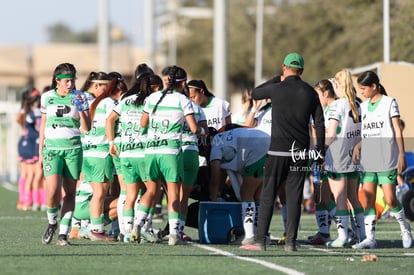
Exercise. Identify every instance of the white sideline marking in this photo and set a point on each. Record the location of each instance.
(256, 261)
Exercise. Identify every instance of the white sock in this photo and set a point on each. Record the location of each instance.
(370, 222)
(140, 217)
(342, 227)
(174, 224)
(248, 215)
(64, 225)
(148, 223)
(119, 210)
(400, 217)
(359, 218)
(128, 224)
(76, 224)
(322, 221)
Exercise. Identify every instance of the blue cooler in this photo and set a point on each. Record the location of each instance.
(216, 220)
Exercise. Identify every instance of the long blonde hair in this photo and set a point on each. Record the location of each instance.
(344, 80)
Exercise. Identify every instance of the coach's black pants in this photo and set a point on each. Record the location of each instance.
(279, 170)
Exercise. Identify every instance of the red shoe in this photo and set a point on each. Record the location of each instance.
(318, 239)
(185, 237)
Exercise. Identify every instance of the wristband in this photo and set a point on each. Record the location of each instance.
(253, 110)
(111, 142)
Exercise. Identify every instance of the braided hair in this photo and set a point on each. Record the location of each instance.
(176, 76)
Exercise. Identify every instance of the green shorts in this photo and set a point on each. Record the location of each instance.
(133, 170)
(163, 166)
(350, 175)
(98, 169)
(117, 165)
(191, 164)
(387, 177)
(256, 169)
(67, 163)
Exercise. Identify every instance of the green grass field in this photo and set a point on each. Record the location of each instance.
(21, 252)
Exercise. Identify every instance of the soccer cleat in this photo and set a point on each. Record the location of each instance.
(185, 237)
(407, 239)
(126, 238)
(252, 247)
(175, 240)
(352, 237)
(318, 239)
(149, 236)
(290, 248)
(136, 234)
(97, 236)
(62, 240)
(48, 235)
(367, 243)
(337, 244)
(74, 233)
(83, 233)
(248, 241)
(162, 233)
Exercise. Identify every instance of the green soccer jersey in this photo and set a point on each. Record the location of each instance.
(96, 142)
(133, 136)
(166, 123)
(63, 120)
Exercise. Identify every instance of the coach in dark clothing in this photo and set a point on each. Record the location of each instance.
(294, 102)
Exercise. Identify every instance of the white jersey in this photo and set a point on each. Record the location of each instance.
(133, 136)
(239, 147)
(264, 120)
(216, 112)
(379, 151)
(190, 140)
(96, 142)
(166, 123)
(338, 157)
(240, 117)
(63, 120)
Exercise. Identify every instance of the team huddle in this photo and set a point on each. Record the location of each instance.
(108, 152)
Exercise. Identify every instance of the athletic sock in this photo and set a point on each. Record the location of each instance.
(65, 222)
(52, 214)
(22, 184)
(359, 221)
(120, 209)
(321, 215)
(331, 207)
(148, 221)
(370, 221)
(174, 223)
(341, 221)
(128, 220)
(399, 215)
(97, 224)
(248, 214)
(141, 215)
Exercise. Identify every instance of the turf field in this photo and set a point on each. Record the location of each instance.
(21, 252)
